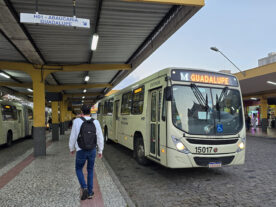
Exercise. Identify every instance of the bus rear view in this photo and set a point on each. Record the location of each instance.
(205, 122)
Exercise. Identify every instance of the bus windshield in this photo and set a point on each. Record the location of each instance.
(207, 111)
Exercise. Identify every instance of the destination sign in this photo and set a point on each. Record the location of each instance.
(204, 77)
(54, 20)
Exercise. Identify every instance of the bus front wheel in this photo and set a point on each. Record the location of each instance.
(140, 152)
(9, 139)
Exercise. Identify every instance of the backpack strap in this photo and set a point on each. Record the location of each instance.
(83, 119)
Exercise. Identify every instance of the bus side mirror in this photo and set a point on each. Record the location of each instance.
(168, 93)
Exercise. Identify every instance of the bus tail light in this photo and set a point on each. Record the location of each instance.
(179, 145)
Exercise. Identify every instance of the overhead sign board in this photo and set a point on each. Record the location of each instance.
(204, 77)
(54, 20)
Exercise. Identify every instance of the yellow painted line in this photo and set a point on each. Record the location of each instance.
(175, 2)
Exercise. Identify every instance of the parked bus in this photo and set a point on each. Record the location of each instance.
(16, 121)
(180, 118)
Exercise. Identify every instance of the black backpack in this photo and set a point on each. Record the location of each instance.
(87, 138)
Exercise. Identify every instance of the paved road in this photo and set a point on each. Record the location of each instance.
(18, 148)
(253, 184)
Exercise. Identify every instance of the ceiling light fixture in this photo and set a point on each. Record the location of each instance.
(5, 75)
(270, 82)
(84, 91)
(95, 40)
(253, 98)
(30, 90)
(86, 78)
(83, 97)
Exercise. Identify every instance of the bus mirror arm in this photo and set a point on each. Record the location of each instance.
(168, 93)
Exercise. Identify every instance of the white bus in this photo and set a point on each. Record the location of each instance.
(16, 121)
(180, 118)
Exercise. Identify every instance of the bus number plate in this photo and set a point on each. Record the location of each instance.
(204, 150)
(214, 164)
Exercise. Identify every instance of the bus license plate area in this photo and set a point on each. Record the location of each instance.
(214, 164)
(204, 150)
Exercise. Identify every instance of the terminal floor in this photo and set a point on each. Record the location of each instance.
(51, 181)
(271, 132)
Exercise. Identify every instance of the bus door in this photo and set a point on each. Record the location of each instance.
(116, 120)
(20, 124)
(155, 106)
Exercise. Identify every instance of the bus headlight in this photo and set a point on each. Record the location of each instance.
(241, 145)
(179, 145)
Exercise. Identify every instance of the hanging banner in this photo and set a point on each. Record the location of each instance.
(54, 20)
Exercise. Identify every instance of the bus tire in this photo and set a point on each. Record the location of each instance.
(9, 139)
(139, 152)
(106, 140)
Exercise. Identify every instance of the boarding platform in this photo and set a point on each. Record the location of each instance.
(51, 180)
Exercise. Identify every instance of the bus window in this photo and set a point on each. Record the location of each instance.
(164, 107)
(126, 103)
(110, 107)
(99, 108)
(137, 101)
(30, 114)
(153, 107)
(105, 106)
(9, 113)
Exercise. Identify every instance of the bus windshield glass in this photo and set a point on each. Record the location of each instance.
(207, 111)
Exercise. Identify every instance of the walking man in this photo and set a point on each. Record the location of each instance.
(86, 134)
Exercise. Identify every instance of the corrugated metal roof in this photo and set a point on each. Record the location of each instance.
(8, 52)
(123, 27)
(20, 75)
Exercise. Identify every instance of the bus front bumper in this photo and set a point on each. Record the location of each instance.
(176, 159)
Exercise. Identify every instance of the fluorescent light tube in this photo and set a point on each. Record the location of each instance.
(95, 40)
(270, 82)
(86, 78)
(5, 75)
(30, 90)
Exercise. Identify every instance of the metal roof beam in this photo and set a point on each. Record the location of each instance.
(13, 84)
(27, 67)
(175, 2)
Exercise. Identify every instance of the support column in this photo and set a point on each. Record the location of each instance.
(65, 115)
(62, 117)
(264, 108)
(55, 121)
(39, 114)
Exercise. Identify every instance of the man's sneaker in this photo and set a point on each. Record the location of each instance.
(84, 194)
(91, 195)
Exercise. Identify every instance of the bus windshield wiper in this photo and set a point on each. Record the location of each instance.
(218, 100)
(200, 98)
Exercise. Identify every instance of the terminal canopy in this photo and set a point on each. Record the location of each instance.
(129, 31)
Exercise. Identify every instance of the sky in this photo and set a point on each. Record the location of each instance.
(244, 30)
